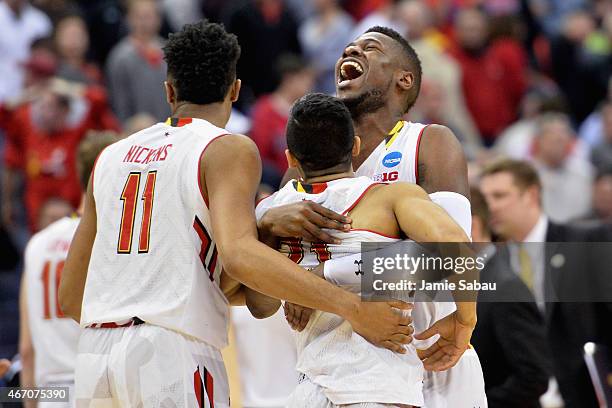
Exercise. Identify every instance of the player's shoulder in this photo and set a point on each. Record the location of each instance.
(401, 190)
(62, 227)
(441, 139)
(231, 146)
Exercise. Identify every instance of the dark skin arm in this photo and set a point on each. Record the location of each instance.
(442, 165)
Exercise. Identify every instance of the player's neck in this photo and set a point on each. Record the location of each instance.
(372, 128)
(329, 177)
(213, 113)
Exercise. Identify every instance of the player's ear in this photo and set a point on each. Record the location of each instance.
(291, 160)
(406, 80)
(170, 95)
(235, 91)
(356, 146)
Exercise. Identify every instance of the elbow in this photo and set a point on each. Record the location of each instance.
(68, 304)
(262, 312)
(26, 353)
(235, 262)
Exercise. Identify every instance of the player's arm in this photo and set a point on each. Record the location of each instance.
(26, 349)
(441, 165)
(74, 275)
(260, 305)
(231, 189)
(424, 221)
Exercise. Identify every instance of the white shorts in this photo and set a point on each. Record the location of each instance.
(459, 387)
(309, 395)
(148, 366)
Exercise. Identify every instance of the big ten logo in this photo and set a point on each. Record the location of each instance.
(387, 177)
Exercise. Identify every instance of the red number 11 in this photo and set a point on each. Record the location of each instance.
(129, 197)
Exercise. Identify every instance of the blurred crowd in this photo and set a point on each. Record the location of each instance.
(525, 79)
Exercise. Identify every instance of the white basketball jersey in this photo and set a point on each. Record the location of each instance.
(330, 354)
(54, 336)
(396, 159)
(154, 256)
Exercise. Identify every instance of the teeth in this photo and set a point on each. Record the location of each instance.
(352, 64)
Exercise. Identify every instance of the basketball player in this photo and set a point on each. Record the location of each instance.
(164, 209)
(340, 368)
(48, 339)
(379, 77)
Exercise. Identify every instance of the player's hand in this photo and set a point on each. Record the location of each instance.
(305, 219)
(454, 339)
(384, 324)
(297, 316)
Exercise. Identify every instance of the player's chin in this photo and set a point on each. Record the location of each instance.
(348, 93)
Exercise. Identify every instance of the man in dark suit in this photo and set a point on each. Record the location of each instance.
(510, 338)
(562, 277)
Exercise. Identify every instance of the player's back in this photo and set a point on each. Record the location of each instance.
(54, 336)
(154, 257)
(344, 364)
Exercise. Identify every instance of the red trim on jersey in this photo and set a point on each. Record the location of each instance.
(416, 156)
(198, 387)
(205, 243)
(209, 387)
(360, 197)
(257, 202)
(314, 188)
(115, 325)
(178, 122)
(204, 197)
(374, 232)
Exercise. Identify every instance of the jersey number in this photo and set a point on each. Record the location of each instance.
(129, 197)
(48, 283)
(296, 250)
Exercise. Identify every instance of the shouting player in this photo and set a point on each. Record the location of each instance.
(340, 368)
(378, 77)
(164, 209)
(47, 338)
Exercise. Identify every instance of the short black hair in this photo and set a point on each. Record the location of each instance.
(320, 132)
(201, 62)
(410, 54)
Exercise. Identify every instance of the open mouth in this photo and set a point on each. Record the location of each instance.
(349, 70)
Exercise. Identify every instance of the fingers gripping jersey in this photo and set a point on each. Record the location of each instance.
(154, 256)
(347, 368)
(54, 336)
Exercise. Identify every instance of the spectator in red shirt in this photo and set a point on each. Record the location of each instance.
(41, 141)
(270, 112)
(493, 74)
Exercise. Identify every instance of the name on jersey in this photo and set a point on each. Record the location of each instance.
(144, 155)
(392, 159)
(59, 245)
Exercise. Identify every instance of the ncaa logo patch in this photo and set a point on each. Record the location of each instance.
(392, 159)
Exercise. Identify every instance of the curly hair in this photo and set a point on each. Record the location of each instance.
(411, 56)
(320, 132)
(201, 62)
